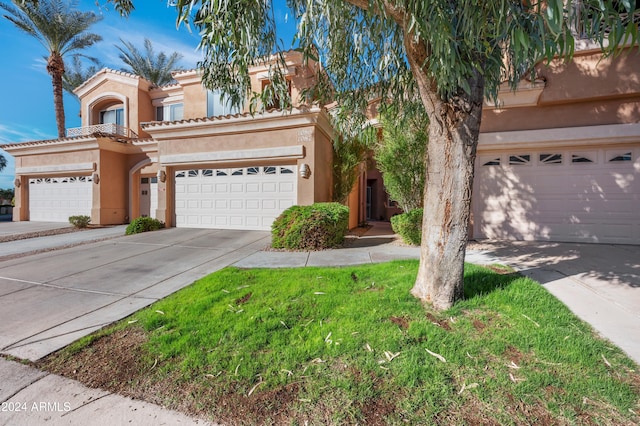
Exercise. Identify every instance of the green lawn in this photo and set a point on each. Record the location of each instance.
(351, 345)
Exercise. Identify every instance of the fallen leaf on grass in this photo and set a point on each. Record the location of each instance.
(440, 357)
(367, 347)
(390, 355)
(536, 324)
(606, 361)
(318, 292)
(465, 386)
(132, 321)
(515, 379)
(255, 387)
(513, 365)
(160, 312)
(318, 361)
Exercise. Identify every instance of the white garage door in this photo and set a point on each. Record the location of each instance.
(559, 195)
(55, 199)
(239, 198)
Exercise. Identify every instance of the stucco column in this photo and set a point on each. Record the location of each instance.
(21, 194)
(165, 211)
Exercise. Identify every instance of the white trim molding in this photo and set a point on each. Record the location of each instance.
(609, 134)
(194, 158)
(527, 93)
(59, 168)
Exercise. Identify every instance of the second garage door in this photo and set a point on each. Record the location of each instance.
(234, 198)
(578, 195)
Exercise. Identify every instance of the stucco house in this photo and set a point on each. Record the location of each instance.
(558, 159)
(178, 153)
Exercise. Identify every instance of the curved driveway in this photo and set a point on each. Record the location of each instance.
(48, 300)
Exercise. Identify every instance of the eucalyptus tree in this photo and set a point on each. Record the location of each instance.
(453, 53)
(62, 30)
(154, 67)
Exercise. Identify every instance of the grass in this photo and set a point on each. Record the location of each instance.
(351, 345)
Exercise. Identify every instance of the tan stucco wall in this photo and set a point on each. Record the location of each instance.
(323, 160)
(195, 100)
(113, 187)
(587, 91)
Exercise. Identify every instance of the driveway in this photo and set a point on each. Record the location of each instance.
(50, 299)
(600, 283)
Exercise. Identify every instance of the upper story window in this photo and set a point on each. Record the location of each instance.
(171, 112)
(218, 104)
(112, 116)
(275, 102)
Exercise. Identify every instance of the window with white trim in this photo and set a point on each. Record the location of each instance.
(171, 112)
(219, 104)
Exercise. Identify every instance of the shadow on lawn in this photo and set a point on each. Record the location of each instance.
(482, 282)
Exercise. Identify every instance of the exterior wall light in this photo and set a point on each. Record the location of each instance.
(96, 178)
(17, 183)
(162, 176)
(305, 171)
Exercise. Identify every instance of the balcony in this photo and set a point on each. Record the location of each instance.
(107, 129)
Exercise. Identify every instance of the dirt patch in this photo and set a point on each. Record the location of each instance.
(513, 354)
(479, 325)
(244, 299)
(112, 362)
(375, 412)
(401, 322)
(441, 322)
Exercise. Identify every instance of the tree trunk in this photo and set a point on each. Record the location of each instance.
(55, 67)
(453, 137)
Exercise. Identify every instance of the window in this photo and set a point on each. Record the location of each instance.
(172, 112)
(252, 171)
(218, 104)
(112, 116)
(493, 162)
(551, 158)
(270, 170)
(275, 101)
(237, 172)
(221, 173)
(622, 157)
(578, 158)
(286, 170)
(519, 160)
(207, 173)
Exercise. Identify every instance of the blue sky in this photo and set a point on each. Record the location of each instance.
(26, 112)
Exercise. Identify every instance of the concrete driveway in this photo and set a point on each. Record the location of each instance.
(600, 283)
(50, 299)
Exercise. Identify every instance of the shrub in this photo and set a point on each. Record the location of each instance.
(316, 227)
(81, 221)
(408, 226)
(143, 224)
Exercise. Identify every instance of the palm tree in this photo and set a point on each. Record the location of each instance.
(155, 68)
(3, 162)
(62, 30)
(75, 74)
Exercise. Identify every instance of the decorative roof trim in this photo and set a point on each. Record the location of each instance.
(120, 76)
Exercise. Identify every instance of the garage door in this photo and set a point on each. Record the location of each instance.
(55, 199)
(238, 198)
(559, 195)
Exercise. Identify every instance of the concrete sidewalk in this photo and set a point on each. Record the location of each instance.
(31, 245)
(33, 397)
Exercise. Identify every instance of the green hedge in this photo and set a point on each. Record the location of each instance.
(316, 227)
(143, 224)
(408, 226)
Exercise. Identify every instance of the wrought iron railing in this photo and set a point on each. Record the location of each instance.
(108, 128)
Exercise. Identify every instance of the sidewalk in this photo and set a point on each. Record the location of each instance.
(30, 245)
(33, 397)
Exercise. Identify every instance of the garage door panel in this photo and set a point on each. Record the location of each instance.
(581, 202)
(55, 199)
(248, 198)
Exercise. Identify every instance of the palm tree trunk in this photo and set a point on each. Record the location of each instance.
(55, 67)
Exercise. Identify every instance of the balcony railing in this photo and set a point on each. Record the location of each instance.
(108, 128)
